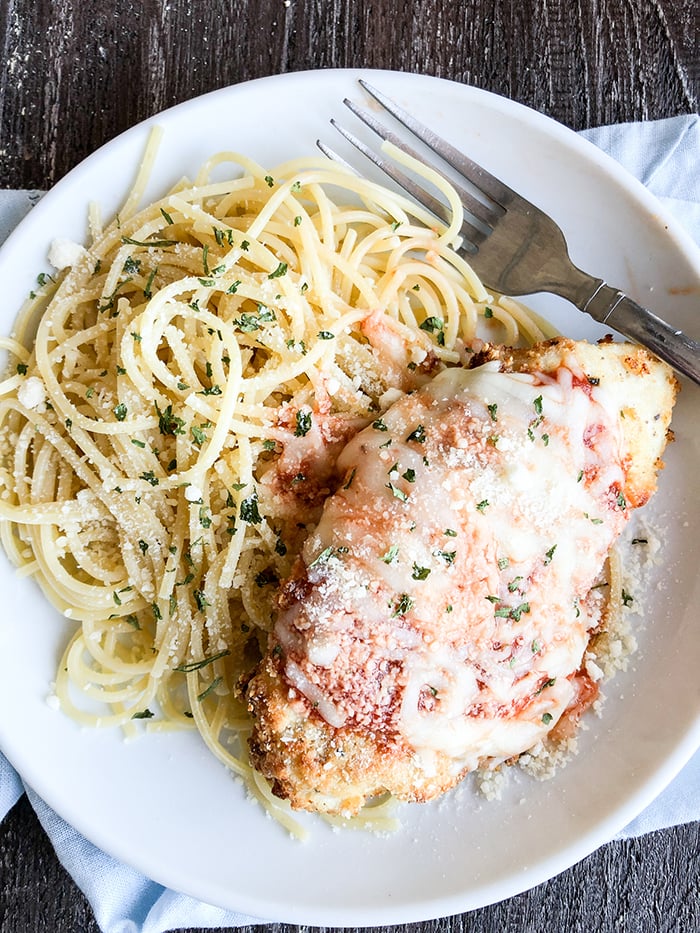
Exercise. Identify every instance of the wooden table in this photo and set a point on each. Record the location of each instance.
(74, 74)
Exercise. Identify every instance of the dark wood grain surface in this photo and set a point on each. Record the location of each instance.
(77, 72)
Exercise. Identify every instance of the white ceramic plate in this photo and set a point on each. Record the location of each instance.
(162, 803)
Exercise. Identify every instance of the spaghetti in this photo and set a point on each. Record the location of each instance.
(170, 428)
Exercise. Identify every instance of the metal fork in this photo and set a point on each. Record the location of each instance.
(516, 248)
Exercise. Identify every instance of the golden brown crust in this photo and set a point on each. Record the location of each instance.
(319, 767)
(644, 403)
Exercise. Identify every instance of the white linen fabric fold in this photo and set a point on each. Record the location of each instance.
(665, 156)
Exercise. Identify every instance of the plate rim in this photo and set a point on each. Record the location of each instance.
(691, 253)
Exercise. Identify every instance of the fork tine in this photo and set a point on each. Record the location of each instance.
(476, 208)
(471, 234)
(334, 157)
(491, 186)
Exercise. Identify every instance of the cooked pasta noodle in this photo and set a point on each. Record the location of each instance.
(169, 426)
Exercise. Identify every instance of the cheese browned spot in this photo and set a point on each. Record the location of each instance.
(437, 617)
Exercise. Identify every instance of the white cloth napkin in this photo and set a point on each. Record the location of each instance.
(665, 156)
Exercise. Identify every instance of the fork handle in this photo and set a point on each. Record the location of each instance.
(610, 306)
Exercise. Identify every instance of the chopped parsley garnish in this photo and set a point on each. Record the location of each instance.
(162, 244)
(198, 435)
(144, 714)
(200, 599)
(279, 271)
(519, 610)
(447, 556)
(379, 425)
(450, 532)
(212, 390)
(22, 369)
(409, 476)
(418, 435)
(120, 411)
(420, 573)
(403, 605)
(148, 288)
(435, 325)
(538, 404)
(627, 600)
(303, 423)
(131, 266)
(293, 345)
(482, 506)
(621, 501)
(549, 555)
(212, 686)
(168, 219)
(493, 409)
(397, 493)
(249, 510)
(322, 557)
(390, 554)
(150, 477)
(190, 666)
(250, 322)
(503, 562)
(168, 423)
(512, 612)
(547, 718)
(326, 335)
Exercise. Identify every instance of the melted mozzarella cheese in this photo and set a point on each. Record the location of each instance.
(449, 571)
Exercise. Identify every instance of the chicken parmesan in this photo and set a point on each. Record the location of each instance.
(438, 614)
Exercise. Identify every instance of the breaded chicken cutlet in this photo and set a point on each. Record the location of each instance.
(439, 613)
